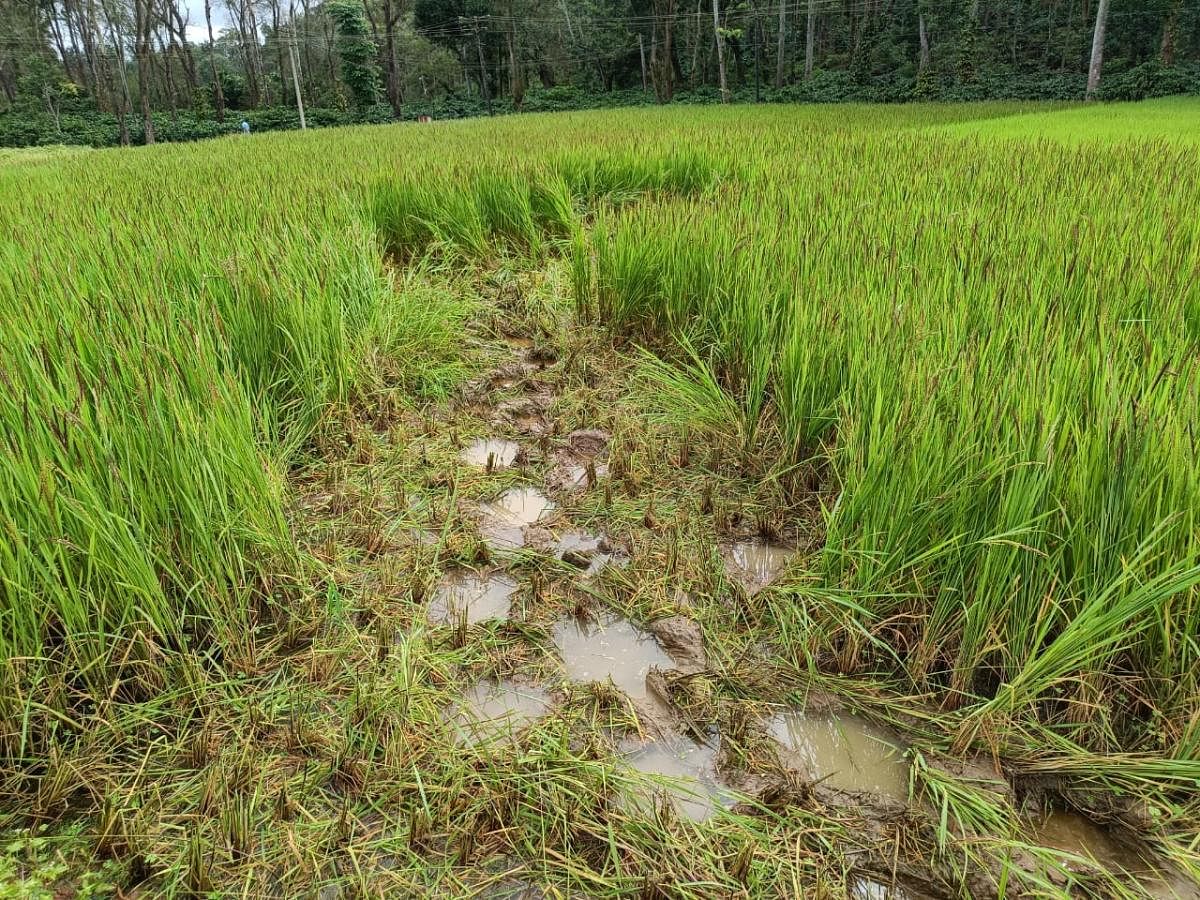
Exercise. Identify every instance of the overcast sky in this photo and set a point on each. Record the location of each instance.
(197, 32)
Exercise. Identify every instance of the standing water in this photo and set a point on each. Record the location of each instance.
(609, 648)
(504, 519)
(490, 709)
(479, 597)
(496, 452)
(693, 783)
(1072, 833)
(758, 563)
(844, 752)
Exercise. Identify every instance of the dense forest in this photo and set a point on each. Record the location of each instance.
(136, 71)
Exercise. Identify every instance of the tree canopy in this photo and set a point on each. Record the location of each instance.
(103, 71)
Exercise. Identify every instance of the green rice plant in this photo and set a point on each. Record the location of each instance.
(955, 365)
(963, 808)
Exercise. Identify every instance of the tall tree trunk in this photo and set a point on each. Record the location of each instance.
(218, 94)
(391, 22)
(699, 27)
(1166, 50)
(810, 36)
(662, 51)
(642, 55)
(117, 39)
(307, 54)
(781, 47)
(77, 32)
(181, 47)
(168, 78)
(68, 59)
(923, 37)
(516, 81)
(1093, 82)
(256, 55)
(103, 76)
(516, 73)
(242, 26)
(141, 51)
(329, 54)
(276, 25)
(716, 6)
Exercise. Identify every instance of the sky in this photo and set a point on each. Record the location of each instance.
(197, 32)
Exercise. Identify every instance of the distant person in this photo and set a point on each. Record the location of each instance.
(245, 127)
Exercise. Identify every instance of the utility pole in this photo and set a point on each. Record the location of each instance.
(294, 56)
(720, 49)
(642, 51)
(1093, 82)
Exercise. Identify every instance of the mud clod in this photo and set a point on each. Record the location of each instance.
(588, 441)
(682, 638)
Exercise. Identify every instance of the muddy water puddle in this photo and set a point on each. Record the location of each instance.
(863, 888)
(758, 563)
(490, 453)
(689, 773)
(477, 596)
(490, 709)
(588, 552)
(575, 476)
(842, 751)
(1072, 833)
(610, 647)
(505, 519)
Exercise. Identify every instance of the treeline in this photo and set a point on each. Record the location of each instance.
(128, 71)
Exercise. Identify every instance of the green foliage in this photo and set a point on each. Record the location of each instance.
(975, 381)
(360, 71)
(153, 399)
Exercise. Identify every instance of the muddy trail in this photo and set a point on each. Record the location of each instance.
(576, 600)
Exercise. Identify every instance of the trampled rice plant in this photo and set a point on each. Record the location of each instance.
(966, 353)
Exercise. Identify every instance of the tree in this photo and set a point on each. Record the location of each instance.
(359, 70)
(218, 94)
(68, 67)
(782, 44)
(1093, 82)
(662, 50)
(810, 33)
(143, 28)
(720, 35)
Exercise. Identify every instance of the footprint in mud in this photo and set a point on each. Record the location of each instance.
(518, 342)
(479, 597)
(580, 462)
(491, 709)
(505, 519)
(539, 357)
(526, 415)
(610, 647)
(692, 781)
(572, 477)
(490, 453)
(842, 751)
(757, 563)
